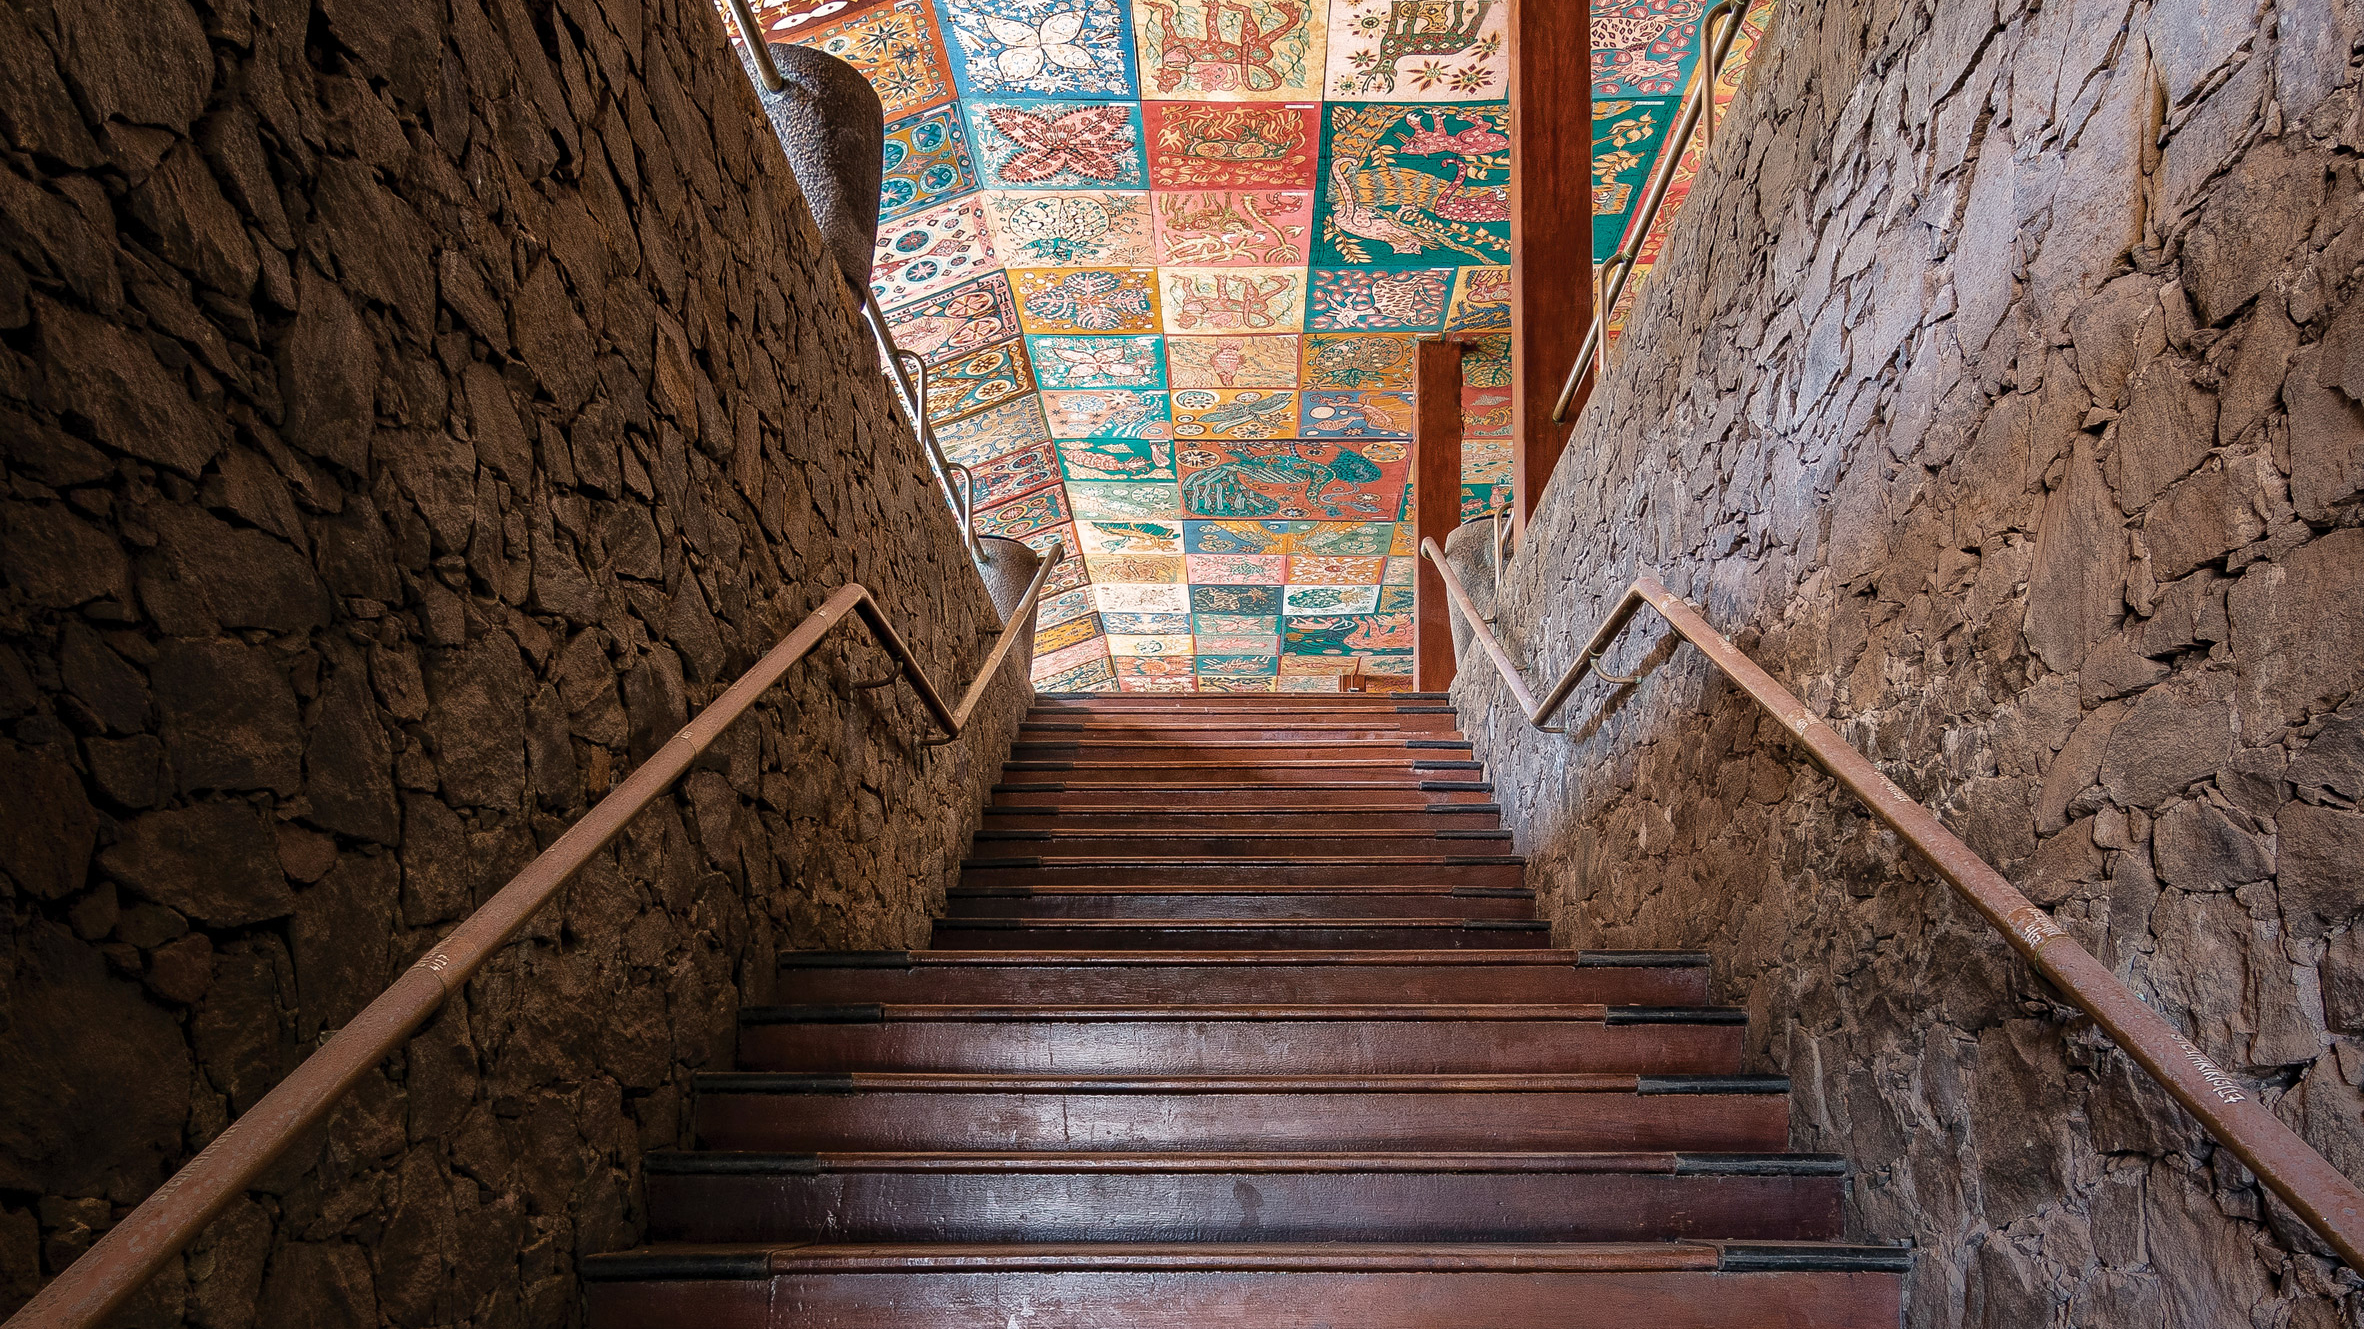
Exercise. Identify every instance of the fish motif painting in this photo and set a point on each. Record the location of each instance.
(956, 321)
(1229, 145)
(1116, 459)
(1229, 50)
(1099, 362)
(1216, 669)
(1485, 413)
(1040, 48)
(1409, 185)
(1378, 299)
(1129, 537)
(1247, 300)
(1233, 228)
(1202, 413)
(1233, 362)
(1085, 229)
(1349, 634)
(1317, 479)
(1419, 50)
(926, 162)
(1083, 300)
(1107, 413)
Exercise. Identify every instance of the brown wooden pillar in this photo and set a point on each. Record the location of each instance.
(1436, 497)
(1550, 226)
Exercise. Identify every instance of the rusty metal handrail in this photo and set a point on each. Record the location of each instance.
(915, 404)
(2319, 1193)
(1713, 52)
(129, 1253)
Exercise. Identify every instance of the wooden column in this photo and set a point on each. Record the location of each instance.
(1550, 226)
(1436, 494)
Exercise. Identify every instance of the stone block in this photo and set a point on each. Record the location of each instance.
(215, 862)
(2298, 629)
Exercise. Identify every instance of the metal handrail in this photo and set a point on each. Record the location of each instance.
(123, 1259)
(751, 33)
(1712, 54)
(915, 405)
(2327, 1200)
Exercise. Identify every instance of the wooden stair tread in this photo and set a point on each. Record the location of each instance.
(751, 1261)
(929, 1082)
(1589, 1012)
(1650, 1162)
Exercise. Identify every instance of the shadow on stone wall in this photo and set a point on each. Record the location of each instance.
(412, 414)
(1999, 391)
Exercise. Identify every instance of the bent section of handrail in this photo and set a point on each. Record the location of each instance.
(2319, 1193)
(1713, 52)
(130, 1252)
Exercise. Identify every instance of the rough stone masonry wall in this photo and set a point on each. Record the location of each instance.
(1999, 391)
(411, 414)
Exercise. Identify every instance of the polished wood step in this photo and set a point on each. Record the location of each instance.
(1228, 842)
(1176, 749)
(1054, 1197)
(1404, 771)
(1085, 821)
(1661, 1285)
(1110, 870)
(1369, 795)
(893, 1112)
(1257, 1040)
(1239, 702)
(1239, 902)
(1200, 729)
(1237, 934)
(1641, 978)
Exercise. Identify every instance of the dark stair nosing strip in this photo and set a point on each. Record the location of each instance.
(1019, 862)
(1456, 786)
(1038, 766)
(1675, 1015)
(775, 1082)
(702, 1266)
(1014, 835)
(1448, 766)
(1485, 860)
(1460, 744)
(1061, 725)
(1460, 808)
(1033, 787)
(1423, 710)
(1493, 893)
(1808, 1258)
(1505, 925)
(1712, 1084)
(845, 959)
(1472, 834)
(1760, 1165)
(1641, 959)
(730, 1163)
(867, 1012)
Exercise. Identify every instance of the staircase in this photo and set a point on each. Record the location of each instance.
(1240, 1015)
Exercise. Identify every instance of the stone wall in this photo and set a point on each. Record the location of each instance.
(1999, 391)
(411, 414)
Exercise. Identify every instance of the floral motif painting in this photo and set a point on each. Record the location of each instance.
(1257, 600)
(1116, 459)
(1316, 479)
(1643, 48)
(1419, 50)
(1378, 299)
(1229, 50)
(930, 250)
(1329, 600)
(959, 320)
(1104, 538)
(1357, 415)
(1236, 625)
(1481, 300)
(1233, 228)
(1059, 300)
(1040, 48)
(1102, 502)
(994, 431)
(1083, 229)
(1232, 362)
(1130, 598)
(1334, 570)
(1410, 185)
(1230, 145)
(926, 162)
(1626, 137)
(1244, 300)
(1099, 362)
(967, 384)
(1107, 413)
(898, 47)
(1205, 413)
(1239, 569)
(1022, 472)
(1021, 516)
(1057, 145)
(1148, 625)
(1355, 362)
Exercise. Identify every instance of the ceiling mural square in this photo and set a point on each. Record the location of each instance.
(1167, 262)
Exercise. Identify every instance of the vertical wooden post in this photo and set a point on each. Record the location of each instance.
(1550, 226)
(1436, 494)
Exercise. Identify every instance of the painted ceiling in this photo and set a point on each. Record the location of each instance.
(1166, 260)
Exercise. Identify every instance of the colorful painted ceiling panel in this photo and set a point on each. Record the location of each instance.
(1166, 260)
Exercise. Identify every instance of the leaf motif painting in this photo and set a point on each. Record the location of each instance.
(1626, 136)
(1040, 48)
(931, 250)
(1230, 50)
(1107, 413)
(1419, 50)
(1407, 185)
(1378, 299)
(1232, 362)
(926, 162)
(1083, 229)
(1057, 145)
(1086, 300)
(1228, 145)
(1233, 228)
(899, 48)
(1099, 362)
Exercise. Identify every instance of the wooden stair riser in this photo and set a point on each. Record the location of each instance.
(1061, 1299)
(1238, 704)
(1193, 730)
(1148, 981)
(1394, 751)
(1053, 795)
(1111, 871)
(1137, 1205)
(1243, 843)
(1238, 903)
(1200, 1122)
(1400, 772)
(1212, 822)
(1263, 1047)
(979, 934)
